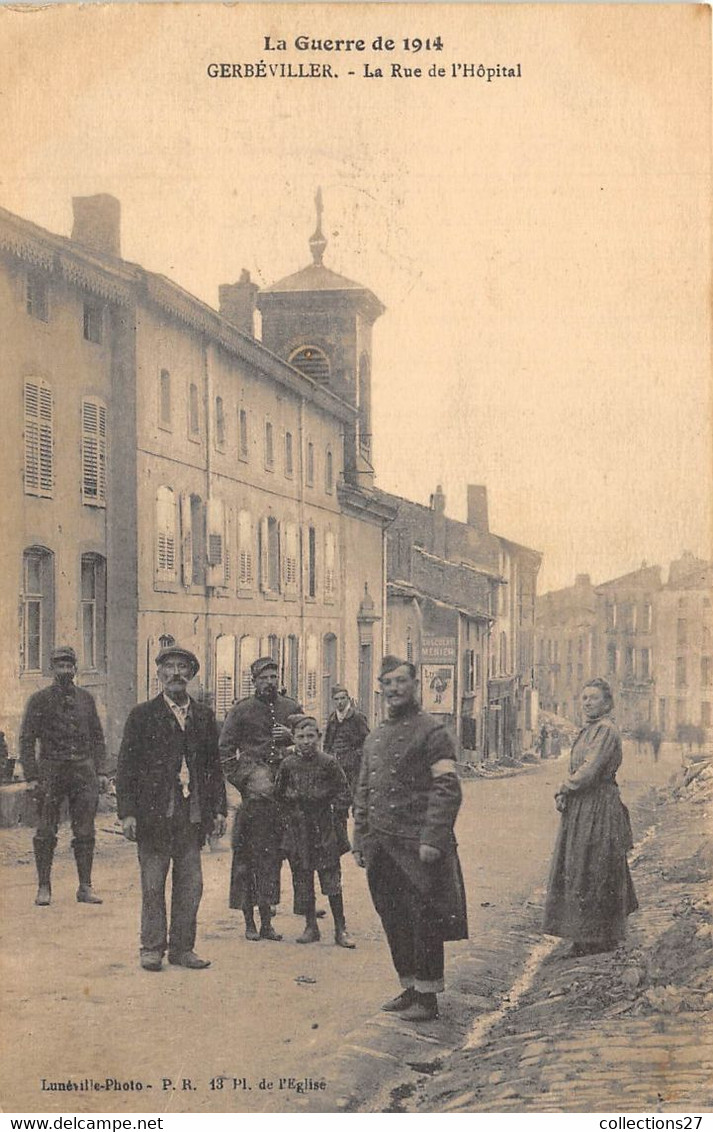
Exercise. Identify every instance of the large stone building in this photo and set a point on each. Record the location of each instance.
(170, 476)
(566, 646)
(684, 649)
(461, 604)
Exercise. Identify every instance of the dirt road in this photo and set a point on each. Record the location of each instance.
(261, 1028)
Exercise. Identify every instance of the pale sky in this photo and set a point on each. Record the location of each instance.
(541, 244)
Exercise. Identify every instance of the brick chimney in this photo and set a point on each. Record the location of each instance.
(97, 223)
(237, 303)
(438, 507)
(478, 507)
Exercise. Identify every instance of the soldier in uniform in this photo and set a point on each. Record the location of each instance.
(253, 743)
(61, 722)
(345, 734)
(406, 805)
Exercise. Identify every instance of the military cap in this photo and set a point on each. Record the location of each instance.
(177, 650)
(390, 662)
(261, 665)
(63, 652)
(339, 688)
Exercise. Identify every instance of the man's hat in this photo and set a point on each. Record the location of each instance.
(63, 652)
(261, 665)
(176, 650)
(339, 688)
(390, 662)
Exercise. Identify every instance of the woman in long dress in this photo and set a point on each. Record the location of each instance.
(590, 892)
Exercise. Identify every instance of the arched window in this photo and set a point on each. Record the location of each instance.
(164, 400)
(37, 608)
(93, 605)
(312, 362)
(165, 534)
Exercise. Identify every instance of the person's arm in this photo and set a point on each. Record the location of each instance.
(216, 781)
(361, 811)
(604, 752)
(96, 738)
(126, 775)
(444, 796)
(29, 734)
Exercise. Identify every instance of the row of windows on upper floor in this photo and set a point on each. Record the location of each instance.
(39, 446)
(37, 636)
(223, 440)
(208, 544)
(39, 443)
(38, 305)
(550, 649)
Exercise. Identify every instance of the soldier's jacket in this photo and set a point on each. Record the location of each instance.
(65, 722)
(408, 788)
(248, 731)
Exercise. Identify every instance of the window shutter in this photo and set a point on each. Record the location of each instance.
(216, 543)
(264, 555)
(186, 540)
(93, 452)
(39, 439)
(245, 550)
(228, 544)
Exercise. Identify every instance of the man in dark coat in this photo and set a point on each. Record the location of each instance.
(406, 806)
(170, 797)
(345, 734)
(253, 743)
(61, 725)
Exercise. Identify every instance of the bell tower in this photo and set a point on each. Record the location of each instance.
(321, 323)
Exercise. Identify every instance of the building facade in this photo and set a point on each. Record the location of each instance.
(176, 479)
(460, 607)
(566, 646)
(684, 649)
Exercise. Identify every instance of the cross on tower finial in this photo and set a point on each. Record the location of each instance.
(317, 241)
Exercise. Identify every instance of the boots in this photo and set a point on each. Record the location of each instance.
(251, 931)
(266, 929)
(341, 935)
(44, 852)
(423, 1009)
(84, 856)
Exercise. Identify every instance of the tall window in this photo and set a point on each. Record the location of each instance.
(272, 649)
(37, 296)
(469, 670)
(93, 452)
(611, 658)
(37, 608)
(93, 321)
(629, 661)
(164, 400)
(289, 456)
(217, 543)
(329, 471)
(224, 674)
(194, 420)
(681, 631)
(645, 664)
(647, 618)
(165, 534)
(243, 434)
(269, 446)
(705, 671)
(93, 611)
(219, 423)
(311, 562)
(680, 671)
(39, 438)
(198, 540)
(269, 555)
(248, 653)
(291, 558)
(312, 665)
(705, 713)
(246, 576)
(330, 572)
(291, 655)
(503, 652)
(310, 465)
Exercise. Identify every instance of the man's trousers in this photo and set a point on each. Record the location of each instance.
(411, 924)
(183, 851)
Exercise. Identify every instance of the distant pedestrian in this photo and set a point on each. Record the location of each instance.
(253, 743)
(62, 752)
(406, 806)
(345, 733)
(314, 795)
(655, 744)
(590, 891)
(171, 797)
